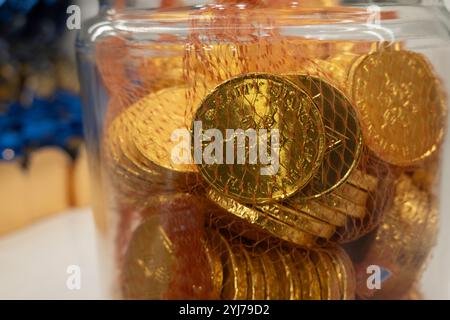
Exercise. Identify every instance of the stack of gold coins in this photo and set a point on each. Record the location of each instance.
(251, 175)
(317, 186)
(231, 269)
(139, 146)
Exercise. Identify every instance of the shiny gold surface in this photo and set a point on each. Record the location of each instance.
(268, 102)
(262, 220)
(149, 262)
(343, 142)
(401, 104)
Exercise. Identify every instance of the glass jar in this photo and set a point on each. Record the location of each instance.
(259, 149)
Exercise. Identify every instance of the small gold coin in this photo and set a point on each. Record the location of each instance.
(255, 275)
(329, 282)
(215, 264)
(343, 205)
(149, 262)
(285, 283)
(292, 275)
(402, 105)
(273, 108)
(274, 288)
(262, 221)
(308, 276)
(343, 267)
(343, 141)
(235, 282)
(317, 210)
(299, 220)
(363, 180)
(353, 194)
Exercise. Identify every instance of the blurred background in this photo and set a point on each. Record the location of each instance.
(46, 225)
(45, 219)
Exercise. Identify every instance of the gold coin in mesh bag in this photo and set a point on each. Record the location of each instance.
(262, 108)
(402, 243)
(235, 281)
(214, 260)
(261, 221)
(298, 220)
(308, 276)
(133, 181)
(317, 210)
(329, 282)
(141, 148)
(353, 194)
(401, 105)
(294, 286)
(343, 141)
(273, 275)
(345, 272)
(155, 119)
(363, 180)
(169, 257)
(343, 205)
(255, 275)
(149, 262)
(349, 198)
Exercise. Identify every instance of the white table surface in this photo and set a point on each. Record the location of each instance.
(34, 260)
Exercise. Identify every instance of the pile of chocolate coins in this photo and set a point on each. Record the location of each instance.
(234, 268)
(279, 185)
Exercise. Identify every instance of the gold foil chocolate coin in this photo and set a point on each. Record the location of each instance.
(235, 284)
(262, 221)
(149, 262)
(343, 141)
(401, 105)
(281, 138)
(158, 120)
(299, 220)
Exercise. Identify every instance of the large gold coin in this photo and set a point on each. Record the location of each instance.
(343, 141)
(255, 172)
(401, 105)
(262, 221)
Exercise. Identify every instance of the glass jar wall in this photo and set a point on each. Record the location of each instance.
(262, 149)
